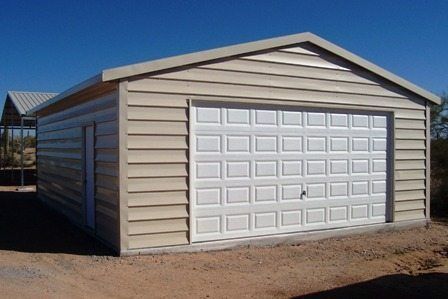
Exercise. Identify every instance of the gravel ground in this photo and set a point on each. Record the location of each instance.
(41, 255)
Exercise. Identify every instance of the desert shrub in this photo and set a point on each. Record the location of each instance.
(439, 158)
(12, 159)
(439, 177)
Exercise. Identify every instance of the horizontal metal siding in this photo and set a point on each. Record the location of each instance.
(59, 151)
(157, 126)
(241, 91)
(157, 145)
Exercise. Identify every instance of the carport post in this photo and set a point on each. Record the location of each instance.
(5, 137)
(1, 147)
(22, 179)
(12, 151)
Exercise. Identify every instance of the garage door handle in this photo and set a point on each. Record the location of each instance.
(304, 193)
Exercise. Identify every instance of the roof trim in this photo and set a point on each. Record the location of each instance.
(127, 71)
(75, 89)
(203, 56)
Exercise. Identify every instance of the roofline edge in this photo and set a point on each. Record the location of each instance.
(131, 70)
(238, 49)
(77, 88)
(329, 46)
(202, 56)
(11, 95)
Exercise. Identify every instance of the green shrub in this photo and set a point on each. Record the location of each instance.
(439, 158)
(439, 177)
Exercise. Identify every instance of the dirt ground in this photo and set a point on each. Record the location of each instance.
(42, 255)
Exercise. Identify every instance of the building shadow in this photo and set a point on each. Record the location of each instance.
(429, 285)
(27, 225)
(11, 177)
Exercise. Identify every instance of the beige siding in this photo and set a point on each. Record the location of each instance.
(158, 128)
(157, 239)
(157, 171)
(60, 162)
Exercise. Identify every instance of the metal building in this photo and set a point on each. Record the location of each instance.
(259, 142)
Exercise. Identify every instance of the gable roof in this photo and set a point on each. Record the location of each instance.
(19, 103)
(236, 50)
(24, 101)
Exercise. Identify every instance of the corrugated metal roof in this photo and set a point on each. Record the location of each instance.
(25, 101)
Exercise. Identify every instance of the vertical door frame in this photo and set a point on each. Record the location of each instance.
(390, 169)
(83, 174)
(190, 171)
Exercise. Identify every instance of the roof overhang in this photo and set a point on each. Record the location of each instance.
(75, 89)
(127, 71)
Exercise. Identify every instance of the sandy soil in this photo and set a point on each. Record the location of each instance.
(41, 255)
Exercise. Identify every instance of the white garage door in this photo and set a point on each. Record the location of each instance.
(259, 171)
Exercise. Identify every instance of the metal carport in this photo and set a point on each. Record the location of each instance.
(14, 117)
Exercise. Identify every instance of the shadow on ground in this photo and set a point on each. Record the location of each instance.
(26, 225)
(430, 285)
(11, 177)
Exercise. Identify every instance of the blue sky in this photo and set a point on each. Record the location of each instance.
(52, 45)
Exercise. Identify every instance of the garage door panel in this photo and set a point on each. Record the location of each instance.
(238, 225)
(286, 130)
(264, 118)
(319, 194)
(267, 171)
(211, 169)
(208, 143)
(287, 156)
(302, 204)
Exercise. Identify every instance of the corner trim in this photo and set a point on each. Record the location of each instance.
(428, 162)
(190, 171)
(122, 119)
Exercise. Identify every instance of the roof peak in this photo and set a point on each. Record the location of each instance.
(114, 74)
(25, 101)
(260, 45)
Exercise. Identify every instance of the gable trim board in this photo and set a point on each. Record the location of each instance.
(231, 51)
(145, 160)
